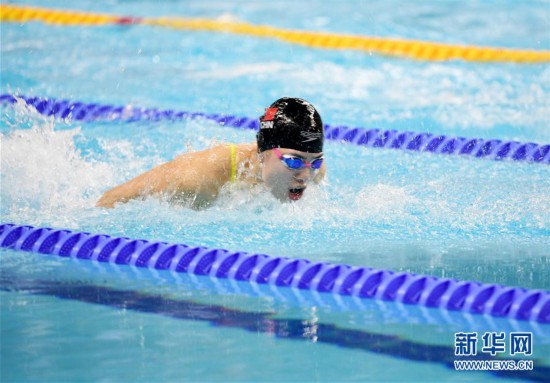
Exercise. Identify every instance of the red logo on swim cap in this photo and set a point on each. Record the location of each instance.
(270, 114)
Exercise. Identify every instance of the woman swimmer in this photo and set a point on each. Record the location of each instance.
(288, 155)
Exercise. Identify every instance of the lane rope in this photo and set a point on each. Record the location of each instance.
(371, 311)
(362, 282)
(492, 149)
(413, 49)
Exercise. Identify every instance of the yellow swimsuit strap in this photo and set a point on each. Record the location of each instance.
(233, 156)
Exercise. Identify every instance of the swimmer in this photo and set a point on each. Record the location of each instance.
(286, 157)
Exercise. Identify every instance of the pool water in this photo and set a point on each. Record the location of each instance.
(431, 214)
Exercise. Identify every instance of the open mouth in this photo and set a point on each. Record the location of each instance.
(296, 194)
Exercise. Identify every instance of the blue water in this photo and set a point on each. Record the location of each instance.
(449, 217)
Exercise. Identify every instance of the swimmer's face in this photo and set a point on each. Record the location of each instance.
(285, 183)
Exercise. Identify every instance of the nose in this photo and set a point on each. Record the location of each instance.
(303, 175)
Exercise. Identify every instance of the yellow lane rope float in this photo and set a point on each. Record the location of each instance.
(420, 50)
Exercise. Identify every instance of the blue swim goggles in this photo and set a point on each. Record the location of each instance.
(295, 163)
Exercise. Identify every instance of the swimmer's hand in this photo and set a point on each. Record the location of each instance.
(135, 188)
(108, 199)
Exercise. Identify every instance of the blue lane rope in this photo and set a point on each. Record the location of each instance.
(362, 282)
(379, 311)
(493, 149)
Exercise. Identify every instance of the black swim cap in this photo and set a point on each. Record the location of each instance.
(291, 123)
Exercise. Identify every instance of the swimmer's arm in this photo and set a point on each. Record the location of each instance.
(195, 176)
(153, 181)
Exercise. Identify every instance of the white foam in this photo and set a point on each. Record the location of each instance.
(381, 200)
(44, 174)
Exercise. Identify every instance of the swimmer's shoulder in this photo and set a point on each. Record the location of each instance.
(218, 161)
(245, 151)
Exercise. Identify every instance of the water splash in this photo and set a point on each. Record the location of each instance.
(381, 209)
(43, 174)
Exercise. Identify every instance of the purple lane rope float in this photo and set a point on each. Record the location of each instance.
(493, 149)
(362, 282)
